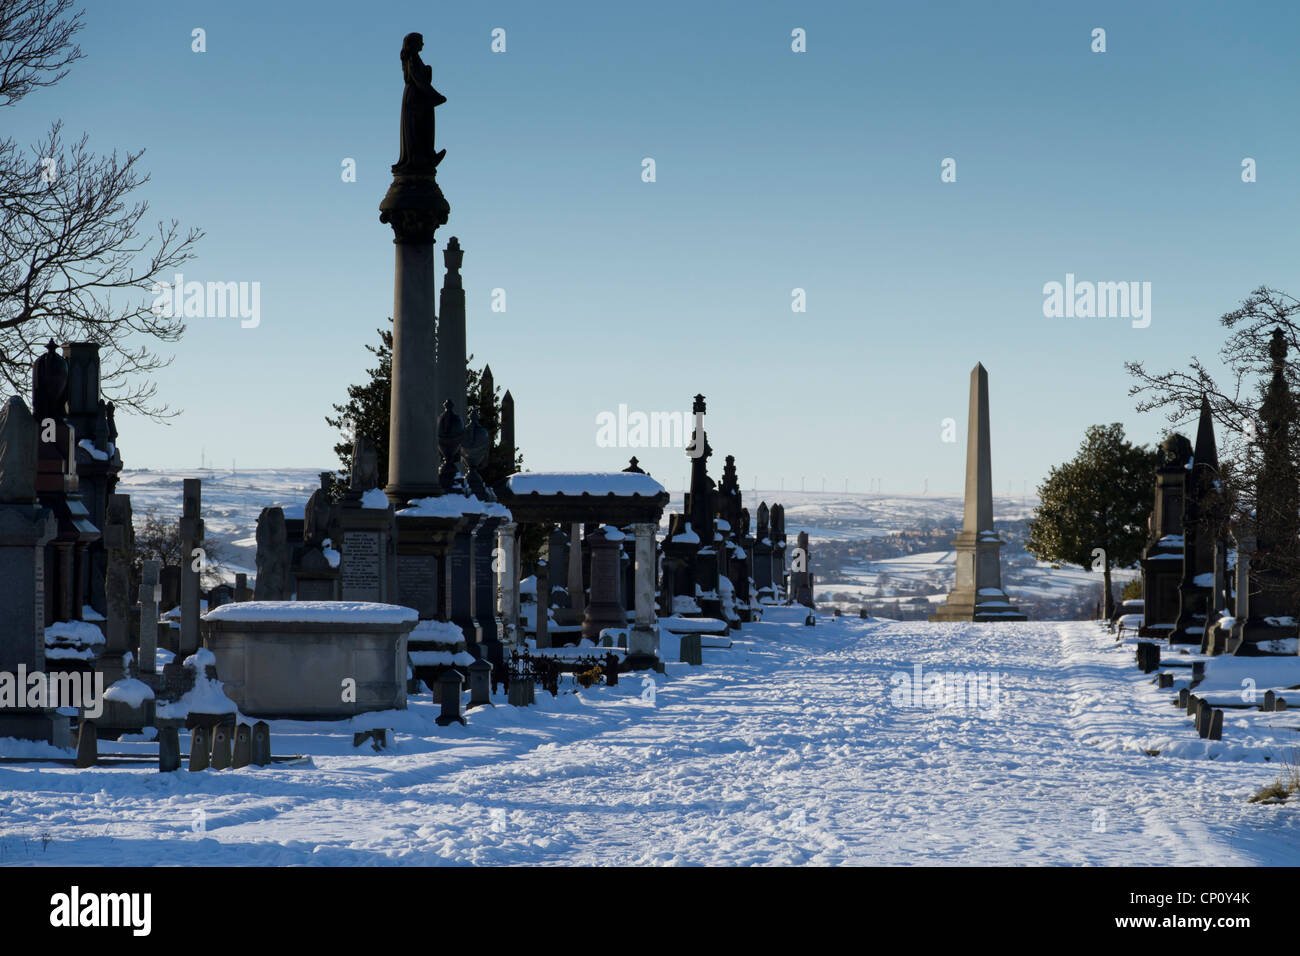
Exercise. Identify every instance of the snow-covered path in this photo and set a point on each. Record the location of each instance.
(791, 747)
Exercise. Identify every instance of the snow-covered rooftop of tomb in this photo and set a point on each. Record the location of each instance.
(317, 612)
(617, 483)
(453, 506)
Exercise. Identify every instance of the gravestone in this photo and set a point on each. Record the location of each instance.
(316, 576)
(25, 528)
(147, 658)
(368, 547)
(87, 744)
(242, 593)
(450, 684)
(1202, 484)
(200, 748)
(262, 744)
(480, 683)
(691, 650)
(169, 746)
(604, 609)
(220, 747)
(191, 528)
(243, 746)
(272, 582)
(169, 579)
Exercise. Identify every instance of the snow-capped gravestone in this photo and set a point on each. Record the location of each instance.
(323, 660)
(365, 525)
(604, 609)
(25, 527)
(978, 595)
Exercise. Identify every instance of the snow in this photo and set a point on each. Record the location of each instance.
(82, 633)
(443, 632)
(129, 691)
(618, 483)
(319, 612)
(789, 748)
(374, 499)
(454, 506)
(437, 658)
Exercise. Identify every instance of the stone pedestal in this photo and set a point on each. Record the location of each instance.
(367, 549)
(460, 579)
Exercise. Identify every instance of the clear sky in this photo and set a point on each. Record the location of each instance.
(775, 170)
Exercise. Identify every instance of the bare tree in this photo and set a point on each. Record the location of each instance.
(1235, 403)
(70, 238)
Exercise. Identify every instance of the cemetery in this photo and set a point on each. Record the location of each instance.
(435, 654)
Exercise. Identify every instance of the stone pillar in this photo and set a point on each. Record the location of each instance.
(507, 584)
(191, 540)
(25, 528)
(483, 595)
(643, 639)
(543, 629)
(577, 591)
(148, 653)
(118, 541)
(415, 207)
(450, 375)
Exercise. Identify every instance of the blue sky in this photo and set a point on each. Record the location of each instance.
(775, 170)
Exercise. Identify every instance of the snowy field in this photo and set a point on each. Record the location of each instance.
(798, 745)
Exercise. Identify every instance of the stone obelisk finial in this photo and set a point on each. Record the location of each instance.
(978, 595)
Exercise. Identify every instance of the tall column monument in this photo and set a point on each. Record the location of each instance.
(978, 595)
(415, 207)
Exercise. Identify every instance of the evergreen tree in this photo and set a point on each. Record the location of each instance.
(1100, 499)
(367, 408)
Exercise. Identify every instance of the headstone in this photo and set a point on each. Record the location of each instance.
(148, 645)
(1279, 704)
(480, 683)
(243, 746)
(1202, 484)
(978, 594)
(1216, 725)
(169, 579)
(169, 747)
(87, 744)
(220, 747)
(262, 744)
(604, 610)
(1166, 679)
(242, 593)
(25, 528)
(272, 582)
(200, 748)
(1269, 698)
(450, 684)
(691, 650)
(191, 528)
(1183, 694)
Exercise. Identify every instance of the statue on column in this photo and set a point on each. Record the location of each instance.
(419, 100)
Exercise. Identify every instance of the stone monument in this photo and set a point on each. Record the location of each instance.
(978, 595)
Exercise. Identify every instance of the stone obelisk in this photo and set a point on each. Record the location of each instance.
(978, 595)
(415, 207)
